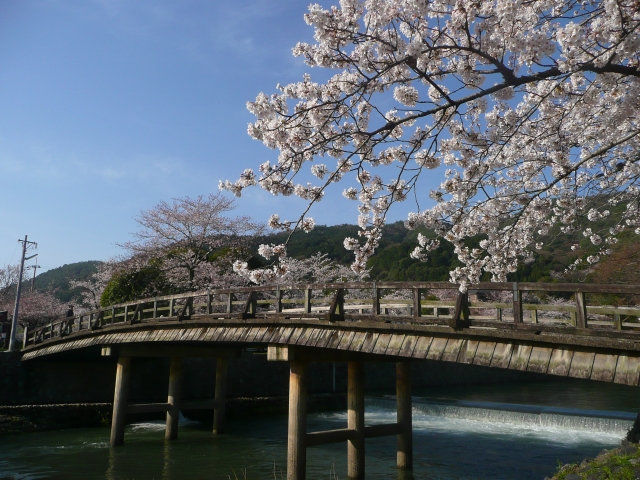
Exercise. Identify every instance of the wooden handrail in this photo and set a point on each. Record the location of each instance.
(455, 313)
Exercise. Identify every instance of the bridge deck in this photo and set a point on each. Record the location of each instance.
(394, 320)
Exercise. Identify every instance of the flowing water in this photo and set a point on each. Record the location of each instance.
(470, 433)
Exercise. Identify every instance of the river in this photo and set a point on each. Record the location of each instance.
(511, 432)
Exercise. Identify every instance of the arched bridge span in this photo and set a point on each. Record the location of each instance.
(573, 333)
(572, 330)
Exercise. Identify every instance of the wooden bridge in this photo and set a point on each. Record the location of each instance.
(573, 330)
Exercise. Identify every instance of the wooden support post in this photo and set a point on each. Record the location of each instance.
(307, 300)
(581, 311)
(126, 313)
(155, 308)
(296, 449)
(404, 455)
(417, 304)
(173, 398)
(120, 394)
(355, 421)
(517, 304)
(376, 300)
(209, 303)
(220, 395)
(171, 304)
(616, 321)
(113, 315)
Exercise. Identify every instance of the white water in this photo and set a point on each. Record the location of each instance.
(557, 425)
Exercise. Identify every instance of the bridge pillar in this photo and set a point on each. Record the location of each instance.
(296, 449)
(355, 420)
(120, 394)
(220, 395)
(404, 455)
(173, 398)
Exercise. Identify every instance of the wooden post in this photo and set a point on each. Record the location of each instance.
(126, 313)
(616, 321)
(296, 450)
(404, 455)
(209, 303)
(120, 394)
(355, 421)
(173, 398)
(220, 395)
(307, 300)
(155, 308)
(230, 303)
(376, 300)
(25, 336)
(581, 311)
(171, 303)
(517, 304)
(278, 300)
(461, 315)
(417, 304)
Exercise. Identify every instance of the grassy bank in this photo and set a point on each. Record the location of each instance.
(622, 463)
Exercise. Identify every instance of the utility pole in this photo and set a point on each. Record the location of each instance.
(33, 279)
(14, 321)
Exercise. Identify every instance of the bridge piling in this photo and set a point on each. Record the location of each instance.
(355, 420)
(220, 395)
(173, 398)
(120, 394)
(404, 456)
(296, 449)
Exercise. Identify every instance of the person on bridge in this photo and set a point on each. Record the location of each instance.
(69, 311)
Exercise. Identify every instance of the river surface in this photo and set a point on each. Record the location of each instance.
(510, 432)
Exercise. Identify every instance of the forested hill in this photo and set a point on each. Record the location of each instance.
(392, 261)
(57, 280)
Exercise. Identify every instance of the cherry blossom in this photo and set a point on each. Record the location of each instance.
(531, 107)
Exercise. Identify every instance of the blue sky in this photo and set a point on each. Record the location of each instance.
(109, 106)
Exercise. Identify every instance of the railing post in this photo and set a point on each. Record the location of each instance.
(25, 338)
(616, 321)
(250, 306)
(230, 302)
(209, 303)
(376, 299)
(460, 318)
(155, 308)
(417, 302)
(278, 300)
(171, 304)
(113, 315)
(517, 304)
(581, 310)
(336, 310)
(126, 313)
(307, 300)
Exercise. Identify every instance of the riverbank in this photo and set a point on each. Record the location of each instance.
(622, 463)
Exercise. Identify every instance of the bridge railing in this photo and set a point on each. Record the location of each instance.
(591, 309)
